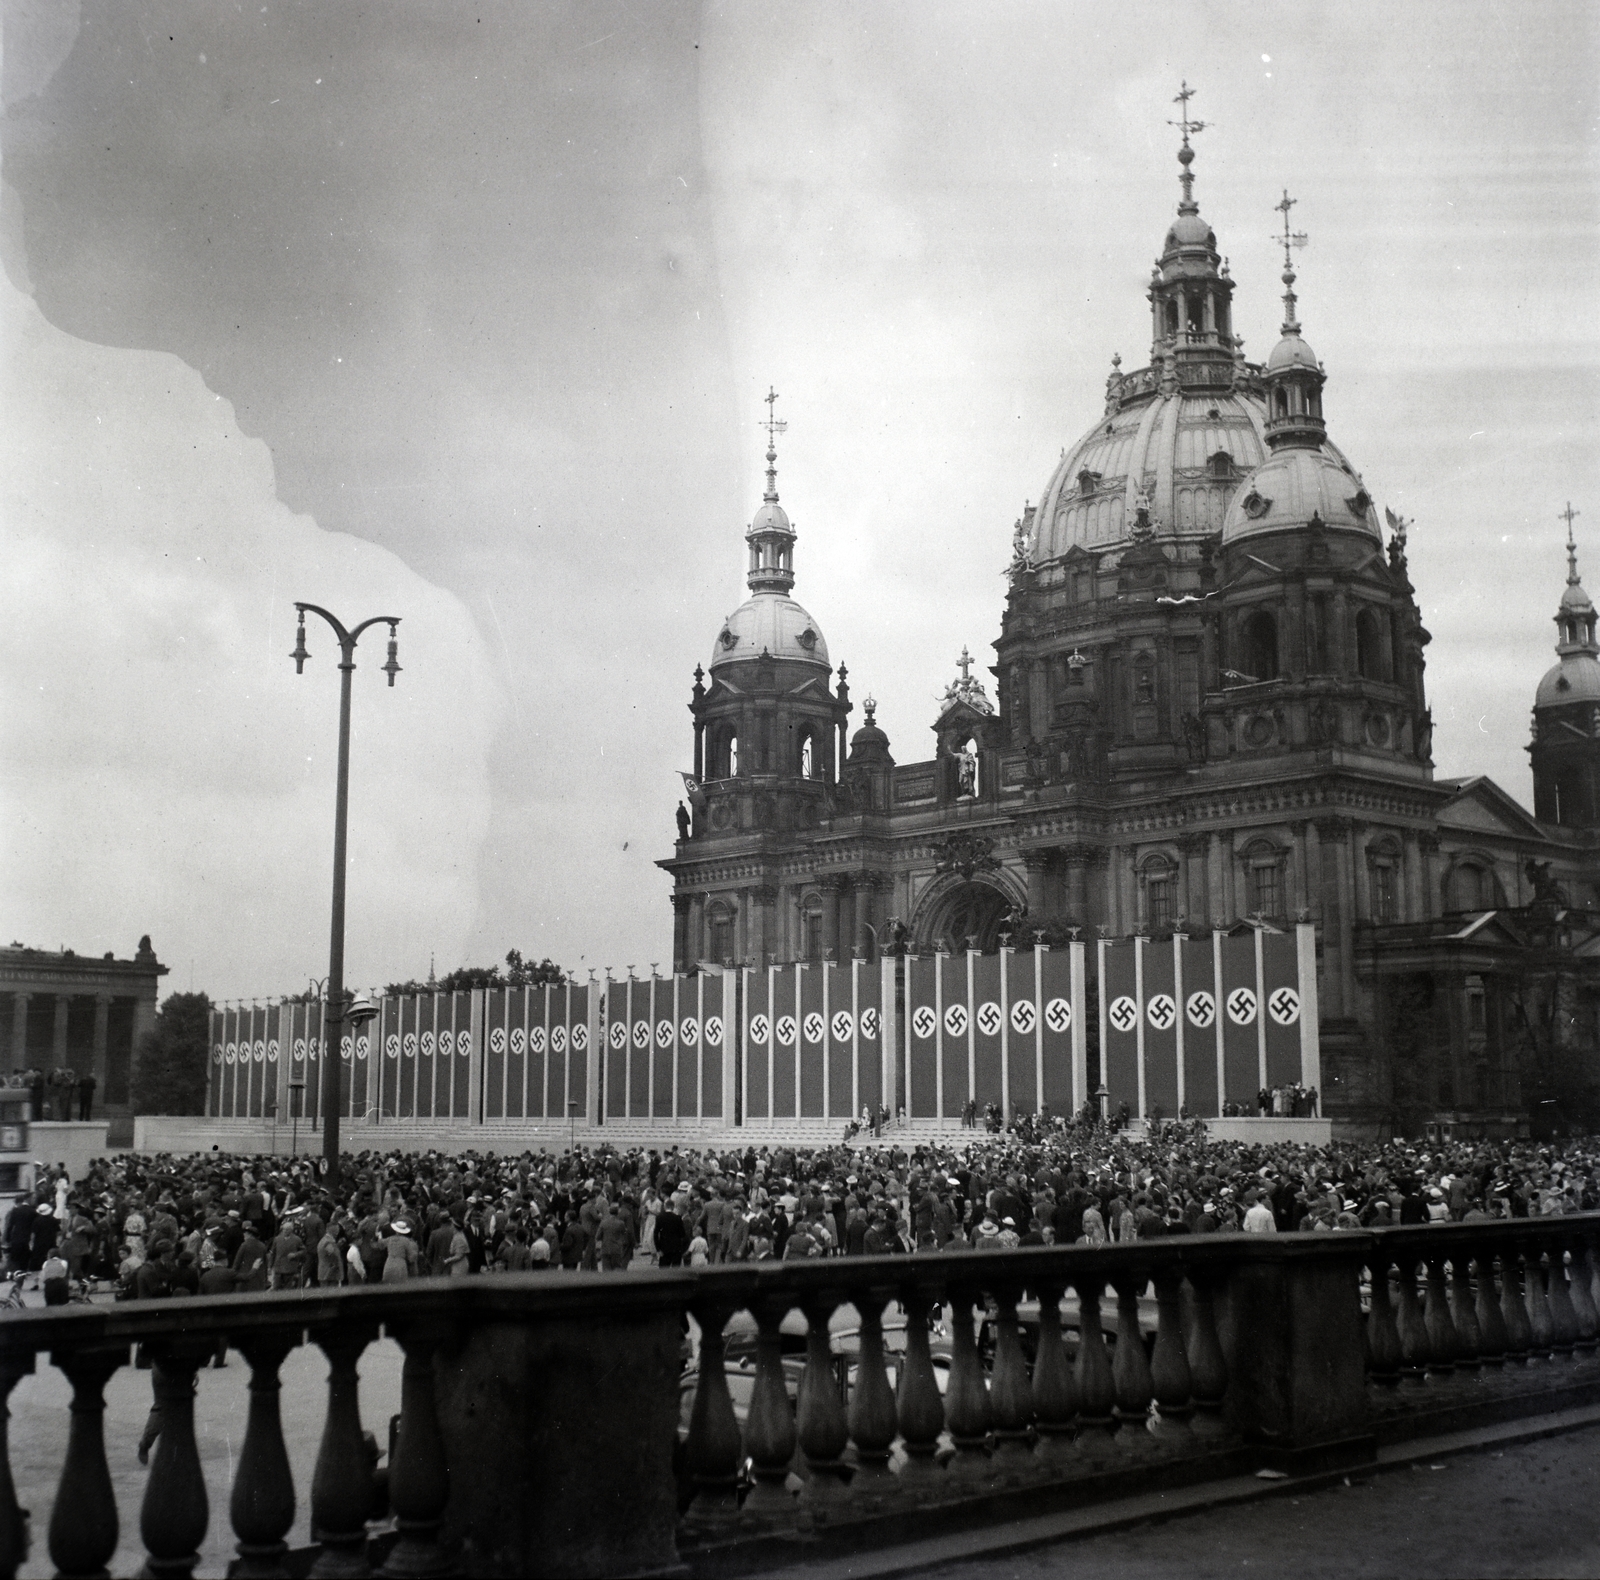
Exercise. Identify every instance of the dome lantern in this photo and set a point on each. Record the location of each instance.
(770, 536)
(1293, 376)
(1565, 749)
(1190, 291)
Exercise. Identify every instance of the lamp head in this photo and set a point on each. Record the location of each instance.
(300, 655)
(392, 668)
(362, 1008)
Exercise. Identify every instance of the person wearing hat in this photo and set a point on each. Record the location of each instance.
(42, 1241)
(400, 1253)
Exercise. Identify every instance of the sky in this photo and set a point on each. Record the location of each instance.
(464, 313)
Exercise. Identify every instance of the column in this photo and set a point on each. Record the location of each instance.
(58, 1046)
(1302, 873)
(763, 939)
(1100, 892)
(1428, 873)
(1315, 883)
(698, 943)
(680, 932)
(1114, 912)
(1216, 893)
(102, 1016)
(1037, 865)
(1412, 902)
(19, 1030)
(1077, 859)
(1361, 873)
(830, 919)
(847, 917)
(1338, 898)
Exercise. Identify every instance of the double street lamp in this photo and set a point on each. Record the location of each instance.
(337, 1013)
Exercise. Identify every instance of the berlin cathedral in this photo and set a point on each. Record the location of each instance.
(1208, 712)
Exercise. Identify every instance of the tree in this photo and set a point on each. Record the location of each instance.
(170, 1072)
(518, 973)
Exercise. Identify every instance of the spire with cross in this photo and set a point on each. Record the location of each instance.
(1186, 154)
(1569, 515)
(1290, 240)
(774, 424)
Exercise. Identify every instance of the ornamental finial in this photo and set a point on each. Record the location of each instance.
(1568, 515)
(774, 425)
(1290, 240)
(1186, 153)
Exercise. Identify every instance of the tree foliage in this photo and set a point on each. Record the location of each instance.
(169, 1074)
(516, 973)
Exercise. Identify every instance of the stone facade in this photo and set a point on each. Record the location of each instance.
(1210, 706)
(70, 1011)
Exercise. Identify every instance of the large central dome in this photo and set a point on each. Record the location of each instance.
(1186, 452)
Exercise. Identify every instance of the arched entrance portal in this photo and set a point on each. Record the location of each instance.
(970, 915)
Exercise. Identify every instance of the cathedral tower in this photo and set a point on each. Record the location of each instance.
(1565, 750)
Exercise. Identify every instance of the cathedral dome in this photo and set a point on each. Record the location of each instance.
(1292, 352)
(1188, 451)
(1286, 491)
(773, 624)
(1575, 679)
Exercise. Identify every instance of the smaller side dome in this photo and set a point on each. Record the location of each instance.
(870, 744)
(1292, 352)
(770, 623)
(1575, 679)
(769, 518)
(1290, 488)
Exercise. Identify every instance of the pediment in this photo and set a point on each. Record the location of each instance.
(1481, 805)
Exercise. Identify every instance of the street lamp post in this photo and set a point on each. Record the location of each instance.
(332, 1057)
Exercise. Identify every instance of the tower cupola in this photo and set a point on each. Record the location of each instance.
(770, 536)
(1565, 750)
(1191, 295)
(1293, 376)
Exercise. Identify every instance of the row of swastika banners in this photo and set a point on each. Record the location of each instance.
(1006, 1028)
(1195, 1023)
(668, 1048)
(519, 1053)
(815, 1043)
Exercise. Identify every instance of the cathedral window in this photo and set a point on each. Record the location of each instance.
(1158, 879)
(1144, 678)
(808, 766)
(1280, 403)
(1383, 892)
(1220, 466)
(1370, 655)
(1172, 320)
(728, 758)
(811, 934)
(1471, 887)
(1259, 641)
(720, 926)
(1265, 889)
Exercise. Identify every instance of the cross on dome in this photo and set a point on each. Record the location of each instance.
(1567, 516)
(964, 664)
(774, 425)
(1290, 239)
(1186, 153)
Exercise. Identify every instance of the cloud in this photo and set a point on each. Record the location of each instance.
(167, 772)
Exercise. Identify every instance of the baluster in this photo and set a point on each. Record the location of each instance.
(1563, 1318)
(1413, 1332)
(1097, 1386)
(1208, 1367)
(1169, 1365)
(83, 1523)
(967, 1401)
(1055, 1394)
(176, 1511)
(14, 1535)
(819, 1413)
(1462, 1316)
(1543, 1329)
(1383, 1337)
(1442, 1340)
(1582, 1299)
(1131, 1366)
(714, 1448)
(262, 1505)
(419, 1473)
(917, 1399)
(1492, 1340)
(1514, 1308)
(1010, 1393)
(341, 1483)
(871, 1415)
(769, 1435)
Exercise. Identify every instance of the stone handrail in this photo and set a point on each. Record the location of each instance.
(539, 1428)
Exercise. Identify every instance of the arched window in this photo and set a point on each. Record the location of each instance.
(808, 756)
(1280, 403)
(1472, 886)
(1258, 639)
(1172, 318)
(1263, 863)
(1220, 466)
(1370, 655)
(1144, 678)
(719, 928)
(730, 759)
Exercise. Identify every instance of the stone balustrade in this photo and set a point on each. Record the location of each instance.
(548, 1424)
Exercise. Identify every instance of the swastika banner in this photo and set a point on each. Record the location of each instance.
(1159, 988)
(1119, 1024)
(1201, 1033)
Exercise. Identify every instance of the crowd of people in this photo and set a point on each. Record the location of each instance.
(212, 1223)
(53, 1094)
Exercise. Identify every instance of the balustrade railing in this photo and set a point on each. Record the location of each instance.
(594, 1424)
